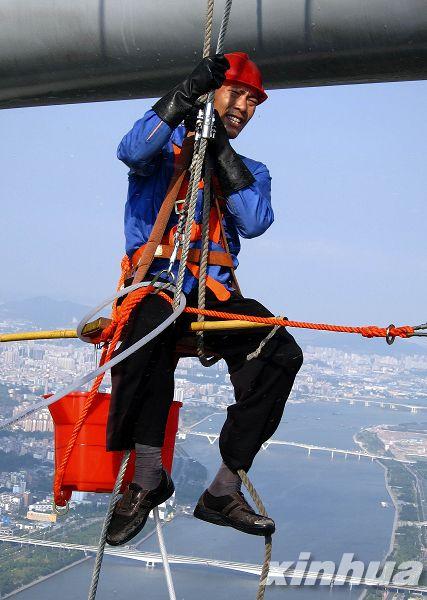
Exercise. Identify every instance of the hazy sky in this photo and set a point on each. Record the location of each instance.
(348, 167)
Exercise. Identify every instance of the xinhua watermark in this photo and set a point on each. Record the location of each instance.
(349, 571)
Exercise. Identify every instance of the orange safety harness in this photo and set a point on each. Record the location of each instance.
(216, 235)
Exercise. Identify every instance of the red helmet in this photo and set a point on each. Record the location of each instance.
(243, 70)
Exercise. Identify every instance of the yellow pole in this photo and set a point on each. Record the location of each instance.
(38, 335)
(71, 333)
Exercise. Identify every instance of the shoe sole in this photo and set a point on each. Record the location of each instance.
(168, 493)
(216, 518)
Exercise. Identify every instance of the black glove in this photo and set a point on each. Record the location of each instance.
(208, 75)
(232, 173)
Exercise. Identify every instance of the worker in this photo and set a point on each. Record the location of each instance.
(143, 383)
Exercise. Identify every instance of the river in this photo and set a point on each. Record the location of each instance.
(323, 506)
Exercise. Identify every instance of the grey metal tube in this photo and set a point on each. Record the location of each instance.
(57, 51)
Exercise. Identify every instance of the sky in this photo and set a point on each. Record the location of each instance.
(348, 168)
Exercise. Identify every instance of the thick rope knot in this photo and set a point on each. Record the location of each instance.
(371, 331)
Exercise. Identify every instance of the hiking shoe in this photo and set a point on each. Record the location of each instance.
(131, 511)
(232, 511)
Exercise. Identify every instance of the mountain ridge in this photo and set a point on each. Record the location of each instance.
(44, 312)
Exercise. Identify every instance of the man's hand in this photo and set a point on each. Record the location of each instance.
(208, 75)
(221, 141)
(232, 173)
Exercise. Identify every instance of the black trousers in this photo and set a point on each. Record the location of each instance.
(143, 384)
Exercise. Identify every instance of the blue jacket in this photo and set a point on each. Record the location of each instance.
(147, 150)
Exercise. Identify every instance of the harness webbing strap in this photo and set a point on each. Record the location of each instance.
(181, 166)
(225, 242)
(215, 257)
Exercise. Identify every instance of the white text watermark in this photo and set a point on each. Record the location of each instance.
(349, 571)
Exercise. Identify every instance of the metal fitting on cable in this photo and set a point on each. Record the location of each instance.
(419, 328)
(205, 123)
(208, 129)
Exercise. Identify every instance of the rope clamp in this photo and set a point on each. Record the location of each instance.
(205, 123)
(208, 129)
(388, 337)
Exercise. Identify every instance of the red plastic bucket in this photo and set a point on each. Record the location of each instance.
(90, 467)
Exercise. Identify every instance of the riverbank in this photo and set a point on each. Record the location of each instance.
(367, 447)
(398, 549)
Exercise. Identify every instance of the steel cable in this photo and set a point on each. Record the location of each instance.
(102, 540)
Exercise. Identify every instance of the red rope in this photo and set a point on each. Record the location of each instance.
(368, 331)
(120, 315)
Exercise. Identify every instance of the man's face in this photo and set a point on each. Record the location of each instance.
(236, 104)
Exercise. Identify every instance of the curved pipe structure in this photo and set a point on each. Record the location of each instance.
(56, 51)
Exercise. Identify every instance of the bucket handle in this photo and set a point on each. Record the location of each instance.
(61, 511)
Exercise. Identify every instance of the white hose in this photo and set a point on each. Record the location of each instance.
(164, 553)
(77, 383)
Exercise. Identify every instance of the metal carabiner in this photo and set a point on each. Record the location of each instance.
(174, 255)
(163, 284)
(390, 338)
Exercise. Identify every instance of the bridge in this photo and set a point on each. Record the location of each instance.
(276, 573)
(213, 437)
(367, 401)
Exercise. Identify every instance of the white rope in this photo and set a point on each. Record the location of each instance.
(164, 553)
